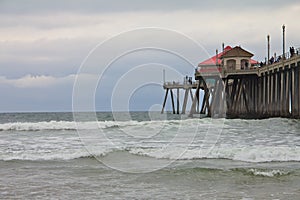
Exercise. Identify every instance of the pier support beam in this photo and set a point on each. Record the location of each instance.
(172, 99)
(165, 100)
(195, 100)
(298, 86)
(186, 95)
(178, 101)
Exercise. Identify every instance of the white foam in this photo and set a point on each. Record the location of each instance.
(267, 173)
(268, 154)
(72, 125)
(172, 143)
(44, 156)
(53, 155)
(249, 154)
(61, 125)
(172, 153)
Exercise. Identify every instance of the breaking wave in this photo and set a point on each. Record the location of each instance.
(246, 154)
(267, 172)
(240, 144)
(258, 156)
(63, 125)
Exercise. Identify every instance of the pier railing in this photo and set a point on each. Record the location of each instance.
(288, 55)
(184, 84)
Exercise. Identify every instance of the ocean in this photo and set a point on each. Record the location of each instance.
(141, 155)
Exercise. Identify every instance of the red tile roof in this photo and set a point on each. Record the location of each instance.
(212, 60)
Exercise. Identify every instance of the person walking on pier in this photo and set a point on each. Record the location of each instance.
(292, 51)
(191, 80)
(272, 60)
(278, 59)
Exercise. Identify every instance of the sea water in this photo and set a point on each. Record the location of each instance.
(103, 156)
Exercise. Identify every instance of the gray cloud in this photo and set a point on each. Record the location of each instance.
(44, 42)
(96, 6)
(42, 81)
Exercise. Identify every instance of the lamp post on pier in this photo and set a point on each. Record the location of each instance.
(268, 41)
(283, 41)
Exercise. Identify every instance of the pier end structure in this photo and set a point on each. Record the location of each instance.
(174, 87)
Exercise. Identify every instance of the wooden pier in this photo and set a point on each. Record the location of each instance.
(233, 91)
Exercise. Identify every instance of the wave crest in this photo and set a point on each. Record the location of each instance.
(63, 125)
(267, 172)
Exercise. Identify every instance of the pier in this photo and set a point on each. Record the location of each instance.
(235, 86)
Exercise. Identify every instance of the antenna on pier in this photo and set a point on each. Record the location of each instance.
(164, 76)
(268, 40)
(283, 41)
(216, 56)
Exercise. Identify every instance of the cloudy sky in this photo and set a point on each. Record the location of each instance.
(43, 43)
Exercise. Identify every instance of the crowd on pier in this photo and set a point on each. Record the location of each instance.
(275, 59)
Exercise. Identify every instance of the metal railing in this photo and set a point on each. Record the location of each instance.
(287, 55)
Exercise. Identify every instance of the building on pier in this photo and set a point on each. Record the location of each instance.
(230, 59)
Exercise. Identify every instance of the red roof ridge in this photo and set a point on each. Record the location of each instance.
(213, 59)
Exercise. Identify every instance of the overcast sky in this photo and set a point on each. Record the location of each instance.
(44, 43)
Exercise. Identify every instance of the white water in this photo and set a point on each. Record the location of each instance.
(240, 140)
(193, 158)
(267, 173)
(61, 125)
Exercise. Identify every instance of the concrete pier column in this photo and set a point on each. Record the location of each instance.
(298, 86)
(293, 91)
(281, 104)
(165, 100)
(287, 93)
(186, 95)
(178, 104)
(172, 98)
(296, 94)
